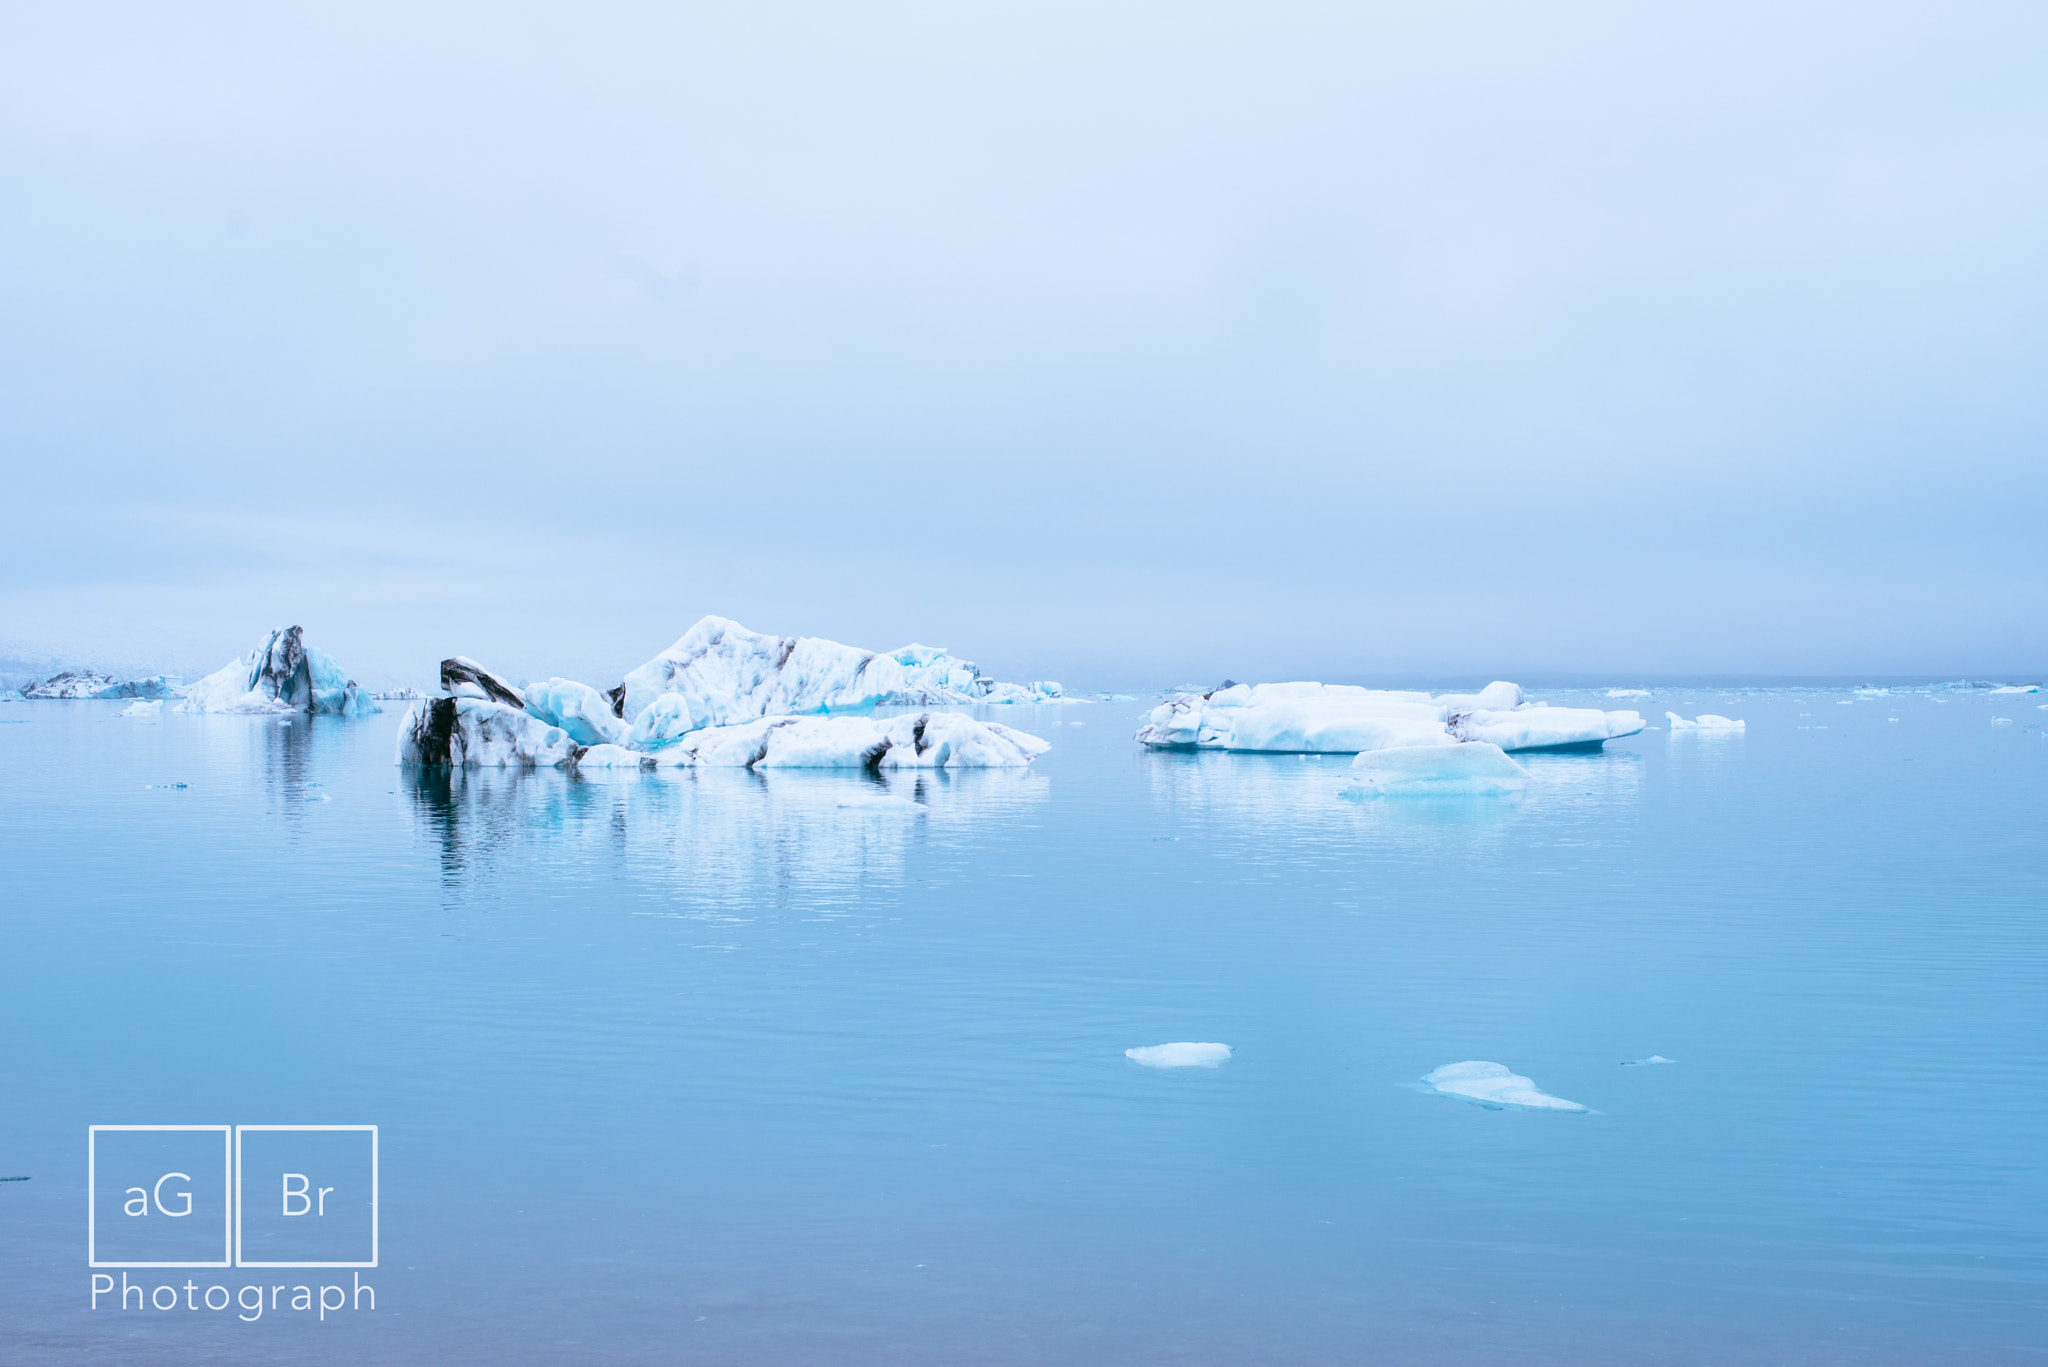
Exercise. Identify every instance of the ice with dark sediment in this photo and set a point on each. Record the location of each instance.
(283, 674)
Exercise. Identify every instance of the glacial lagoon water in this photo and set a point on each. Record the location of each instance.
(728, 1068)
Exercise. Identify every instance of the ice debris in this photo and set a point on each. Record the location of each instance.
(2001, 721)
(1706, 721)
(1491, 1085)
(143, 709)
(1473, 768)
(1628, 692)
(1180, 1055)
(1344, 718)
(1646, 1062)
(284, 674)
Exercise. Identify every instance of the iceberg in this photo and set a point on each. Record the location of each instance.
(1345, 719)
(143, 709)
(577, 708)
(1471, 768)
(1491, 1085)
(1180, 1055)
(726, 675)
(1707, 721)
(2017, 688)
(86, 683)
(1647, 1062)
(480, 733)
(1628, 692)
(284, 674)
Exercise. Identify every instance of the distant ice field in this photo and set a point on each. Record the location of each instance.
(1110, 1058)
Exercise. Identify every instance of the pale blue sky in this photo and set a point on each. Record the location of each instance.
(1113, 344)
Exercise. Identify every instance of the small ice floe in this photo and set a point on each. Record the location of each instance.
(143, 709)
(1180, 1055)
(2001, 721)
(1491, 1085)
(1628, 692)
(1873, 692)
(1706, 721)
(1646, 1062)
(1469, 768)
(2017, 688)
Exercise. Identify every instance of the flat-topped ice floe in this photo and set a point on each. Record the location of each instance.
(1343, 719)
(1493, 1086)
(1181, 1055)
(283, 674)
(1474, 768)
(1706, 721)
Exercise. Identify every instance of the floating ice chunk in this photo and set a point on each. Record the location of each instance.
(1498, 696)
(1332, 718)
(143, 709)
(1491, 1085)
(932, 740)
(1472, 768)
(730, 675)
(1180, 1055)
(479, 733)
(577, 708)
(2001, 721)
(1646, 1062)
(1545, 728)
(283, 674)
(12, 695)
(2017, 688)
(1707, 722)
(72, 683)
(1628, 692)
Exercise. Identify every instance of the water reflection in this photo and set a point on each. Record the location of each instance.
(722, 844)
(1276, 802)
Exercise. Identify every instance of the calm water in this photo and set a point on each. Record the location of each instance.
(711, 1069)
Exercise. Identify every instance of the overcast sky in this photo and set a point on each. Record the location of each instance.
(1116, 344)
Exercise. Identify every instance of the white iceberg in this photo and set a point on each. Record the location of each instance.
(1706, 721)
(282, 675)
(1628, 692)
(480, 733)
(1647, 1062)
(2017, 688)
(725, 675)
(143, 709)
(577, 708)
(1180, 1055)
(1345, 719)
(1472, 768)
(1493, 1086)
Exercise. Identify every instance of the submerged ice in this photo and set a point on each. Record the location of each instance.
(1344, 718)
(1495, 1087)
(1475, 768)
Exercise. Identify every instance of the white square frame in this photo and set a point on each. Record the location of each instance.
(231, 1222)
(240, 1129)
